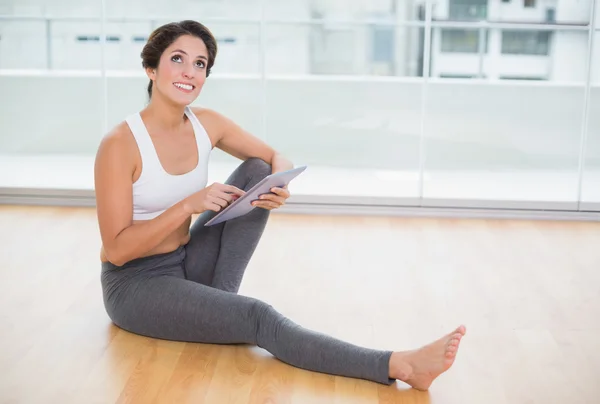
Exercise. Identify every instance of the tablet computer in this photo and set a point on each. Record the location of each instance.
(243, 204)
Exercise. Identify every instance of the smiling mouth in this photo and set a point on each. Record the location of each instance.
(186, 88)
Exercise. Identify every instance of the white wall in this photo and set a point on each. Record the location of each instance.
(569, 54)
(514, 11)
(521, 66)
(573, 11)
(440, 9)
(88, 8)
(567, 11)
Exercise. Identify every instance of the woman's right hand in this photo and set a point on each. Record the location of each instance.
(215, 197)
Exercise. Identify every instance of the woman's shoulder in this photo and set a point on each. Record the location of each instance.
(118, 141)
(212, 120)
(212, 116)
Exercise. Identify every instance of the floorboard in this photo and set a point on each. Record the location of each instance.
(528, 291)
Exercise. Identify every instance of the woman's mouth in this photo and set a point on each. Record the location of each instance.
(186, 88)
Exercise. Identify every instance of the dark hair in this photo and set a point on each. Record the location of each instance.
(162, 37)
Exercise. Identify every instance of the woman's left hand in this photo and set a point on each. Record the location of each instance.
(273, 200)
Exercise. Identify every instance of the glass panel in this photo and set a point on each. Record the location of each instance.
(565, 12)
(50, 117)
(596, 58)
(458, 52)
(515, 11)
(515, 141)
(456, 40)
(57, 9)
(338, 49)
(590, 191)
(16, 35)
(505, 143)
(76, 45)
(67, 108)
(184, 10)
(508, 54)
(360, 138)
(128, 39)
(526, 42)
(468, 10)
(390, 10)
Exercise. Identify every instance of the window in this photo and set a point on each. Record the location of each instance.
(461, 41)
(527, 78)
(550, 15)
(457, 76)
(526, 42)
(466, 10)
(505, 1)
(382, 44)
(529, 3)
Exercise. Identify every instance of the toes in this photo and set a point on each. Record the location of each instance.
(460, 331)
(454, 341)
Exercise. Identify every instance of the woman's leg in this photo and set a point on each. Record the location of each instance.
(151, 297)
(218, 255)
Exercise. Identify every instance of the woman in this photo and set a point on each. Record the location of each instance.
(164, 279)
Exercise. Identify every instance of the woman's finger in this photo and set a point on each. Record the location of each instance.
(281, 192)
(266, 204)
(219, 201)
(273, 198)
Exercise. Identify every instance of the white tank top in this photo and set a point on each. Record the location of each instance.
(156, 190)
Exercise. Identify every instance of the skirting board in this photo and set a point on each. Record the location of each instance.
(322, 205)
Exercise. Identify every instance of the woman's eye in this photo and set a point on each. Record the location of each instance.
(176, 58)
(200, 63)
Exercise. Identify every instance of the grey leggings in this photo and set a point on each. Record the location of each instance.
(190, 295)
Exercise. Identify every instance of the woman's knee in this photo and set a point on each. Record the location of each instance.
(268, 322)
(256, 168)
(261, 313)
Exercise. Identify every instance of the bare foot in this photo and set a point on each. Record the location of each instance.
(419, 368)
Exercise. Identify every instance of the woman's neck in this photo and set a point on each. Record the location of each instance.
(164, 115)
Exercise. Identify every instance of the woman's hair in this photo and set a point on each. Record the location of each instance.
(163, 36)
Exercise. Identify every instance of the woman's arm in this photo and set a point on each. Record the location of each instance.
(232, 139)
(122, 240)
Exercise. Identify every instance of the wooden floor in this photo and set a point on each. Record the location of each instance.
(529, 293)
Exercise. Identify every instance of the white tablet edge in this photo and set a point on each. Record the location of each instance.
(294, 171)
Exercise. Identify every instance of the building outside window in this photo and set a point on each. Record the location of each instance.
(468, 10)
(461, 41)
(526, 42)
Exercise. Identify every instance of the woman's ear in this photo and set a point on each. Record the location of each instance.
(151, 73)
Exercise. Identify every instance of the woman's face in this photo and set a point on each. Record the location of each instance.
(181, 70)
